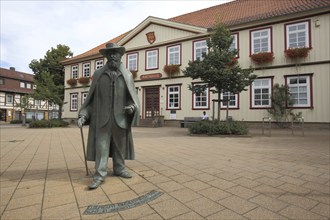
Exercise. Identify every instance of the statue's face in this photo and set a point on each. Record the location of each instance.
(113, 60)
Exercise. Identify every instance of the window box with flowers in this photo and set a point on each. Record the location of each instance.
(299, 52)
(171, 69)
(72, 82)
(262, 57)
(134, 73)
(84, 80)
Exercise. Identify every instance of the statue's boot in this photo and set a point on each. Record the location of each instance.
(95, 184)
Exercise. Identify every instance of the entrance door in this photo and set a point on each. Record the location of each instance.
(151, 102)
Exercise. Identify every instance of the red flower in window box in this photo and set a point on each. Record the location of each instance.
(299, 52)
(134, 73)
(72, 82)
(262, 57)
(84, 80)
(233, 62)
(171, 69)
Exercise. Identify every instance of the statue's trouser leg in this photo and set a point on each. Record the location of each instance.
(102, 145)
(118, 152)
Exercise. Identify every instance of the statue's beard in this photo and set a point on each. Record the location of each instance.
(113, 64)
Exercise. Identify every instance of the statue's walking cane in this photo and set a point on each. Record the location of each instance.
(83, 143)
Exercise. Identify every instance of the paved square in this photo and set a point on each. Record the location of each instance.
(258, 177)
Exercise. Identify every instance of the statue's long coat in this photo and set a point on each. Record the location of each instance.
(124, 95)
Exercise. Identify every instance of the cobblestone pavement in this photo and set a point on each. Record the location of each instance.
(283, 176)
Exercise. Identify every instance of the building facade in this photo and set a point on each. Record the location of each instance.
(270, 27)
(14, 85)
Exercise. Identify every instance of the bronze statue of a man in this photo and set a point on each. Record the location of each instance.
(110, 109)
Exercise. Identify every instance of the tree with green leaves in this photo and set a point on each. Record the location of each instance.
(24, 105)
(218, 68)
(279, 110)
(49, 75)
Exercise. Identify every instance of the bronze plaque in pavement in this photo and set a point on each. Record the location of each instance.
(100, 209)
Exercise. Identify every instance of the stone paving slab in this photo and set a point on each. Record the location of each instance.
(281, 176)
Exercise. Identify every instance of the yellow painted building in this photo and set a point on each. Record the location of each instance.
(257, 26)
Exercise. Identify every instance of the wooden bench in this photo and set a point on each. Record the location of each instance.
(189, 120)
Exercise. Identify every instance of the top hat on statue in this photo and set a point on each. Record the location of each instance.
(111, 47)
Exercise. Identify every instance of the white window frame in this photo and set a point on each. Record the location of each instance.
(200, 47)
(74, 72)
(304, 33)
(300, 90)
(234, 43)
(152, 59)
(86, 70)
(261, 84)
(37, 103)
(173, 95)
(98, 64)
(262, 39)
(74, 102)
(233, 101)
(22, 84)
(9, 99)
(28, 86)
(197, 98)
(174, 55)
(132, 61)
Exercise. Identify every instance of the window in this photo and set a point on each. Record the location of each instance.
(84, 96)
(98, 64)
(2, 81)
(22, 84)
(200, 47)
(174, 55)
(74, 72)
(74, 102)
(261, 41)
(132, 61)
(201, 100)
(261, 93)
(297, 35)
(86, 69)
(174, 97)
(232, 100)
(37, 103)
(152, 59)
(300, 90)
(9, 99)
(28, 86)
(234, 44)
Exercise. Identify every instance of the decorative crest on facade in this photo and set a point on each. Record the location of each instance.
(151, 37)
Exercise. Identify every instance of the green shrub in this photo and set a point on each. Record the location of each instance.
(48, 123)
(16, 121)
(216, 128)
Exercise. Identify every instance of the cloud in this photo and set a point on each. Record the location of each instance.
(30, 28)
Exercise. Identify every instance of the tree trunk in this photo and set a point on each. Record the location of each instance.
(60, 111)
(219, 106)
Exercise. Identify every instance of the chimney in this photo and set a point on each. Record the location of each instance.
(12, 68)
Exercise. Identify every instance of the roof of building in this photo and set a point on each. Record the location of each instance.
(14, 78)
(232, 13)
(13, 74)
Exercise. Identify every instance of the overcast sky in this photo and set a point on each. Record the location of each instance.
(31, 27)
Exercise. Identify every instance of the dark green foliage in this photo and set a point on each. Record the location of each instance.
(16, 121)
(219, 128)
(48, 123)
(217, 68)
(280, 100)
(51, 65)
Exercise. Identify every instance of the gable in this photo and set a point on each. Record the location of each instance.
(163, 31)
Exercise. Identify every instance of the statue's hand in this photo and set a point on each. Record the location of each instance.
(81, 121)
(129, 109)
